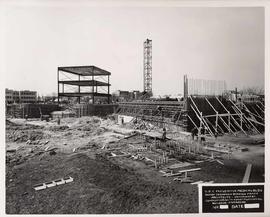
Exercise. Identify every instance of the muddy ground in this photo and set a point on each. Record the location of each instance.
(39, 151)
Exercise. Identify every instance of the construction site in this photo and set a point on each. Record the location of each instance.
(145, 155)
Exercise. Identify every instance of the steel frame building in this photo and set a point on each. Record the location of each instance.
(86, 78)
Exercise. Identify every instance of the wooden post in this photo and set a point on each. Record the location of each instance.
(232, 116)
(229, 121)
(58, 85)
(240, 116)
(79, 90)
(262, 110)
(257, 113)
(200, 121)
(241, 120)
(216, 122)
(93, 90)
(247, 174)
(108, 89)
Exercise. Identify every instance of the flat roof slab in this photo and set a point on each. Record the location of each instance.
(84, 70)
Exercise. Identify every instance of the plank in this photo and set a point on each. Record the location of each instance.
(183, 171)
(247, 173)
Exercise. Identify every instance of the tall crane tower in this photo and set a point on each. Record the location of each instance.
(147, 66)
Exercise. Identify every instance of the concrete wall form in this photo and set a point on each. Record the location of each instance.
(94, 109)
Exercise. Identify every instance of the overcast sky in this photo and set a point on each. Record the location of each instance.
(209, 43)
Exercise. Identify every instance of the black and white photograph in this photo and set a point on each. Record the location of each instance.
(140, 108)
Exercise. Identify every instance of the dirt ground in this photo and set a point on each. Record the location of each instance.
(40, 151)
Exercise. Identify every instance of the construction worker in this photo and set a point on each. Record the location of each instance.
(164, 134)
(58, 120)
(202, 134)
(194, 132)
(216, 135)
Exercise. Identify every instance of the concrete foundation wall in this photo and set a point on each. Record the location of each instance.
(31, 110)
(95, 109)
(62, 114)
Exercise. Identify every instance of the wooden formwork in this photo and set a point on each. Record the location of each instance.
(219, 116)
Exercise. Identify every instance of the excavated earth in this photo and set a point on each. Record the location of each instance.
(40, 151)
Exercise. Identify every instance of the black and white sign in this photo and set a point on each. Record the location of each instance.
(232, 198)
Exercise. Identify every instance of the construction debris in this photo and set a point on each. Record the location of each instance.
(181, 172)
(54, 183)
(112, 155)
(202, 182)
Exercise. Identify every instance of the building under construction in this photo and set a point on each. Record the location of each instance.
(204, 105)
(87, 77)
(136, 154)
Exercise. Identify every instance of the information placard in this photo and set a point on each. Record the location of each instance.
(219, 198)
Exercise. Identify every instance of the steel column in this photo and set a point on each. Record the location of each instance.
(108, 89)
(58, 85)
(79, 89)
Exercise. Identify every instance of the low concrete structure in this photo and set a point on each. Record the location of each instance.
(62, 114)
(94, 109)
(30, 110)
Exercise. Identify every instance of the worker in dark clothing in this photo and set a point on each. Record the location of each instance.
(164, 134)
(58, 120)
(216, 135)
(194, 132)
(202, 134)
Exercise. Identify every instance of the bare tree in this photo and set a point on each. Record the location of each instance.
(253, 90)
